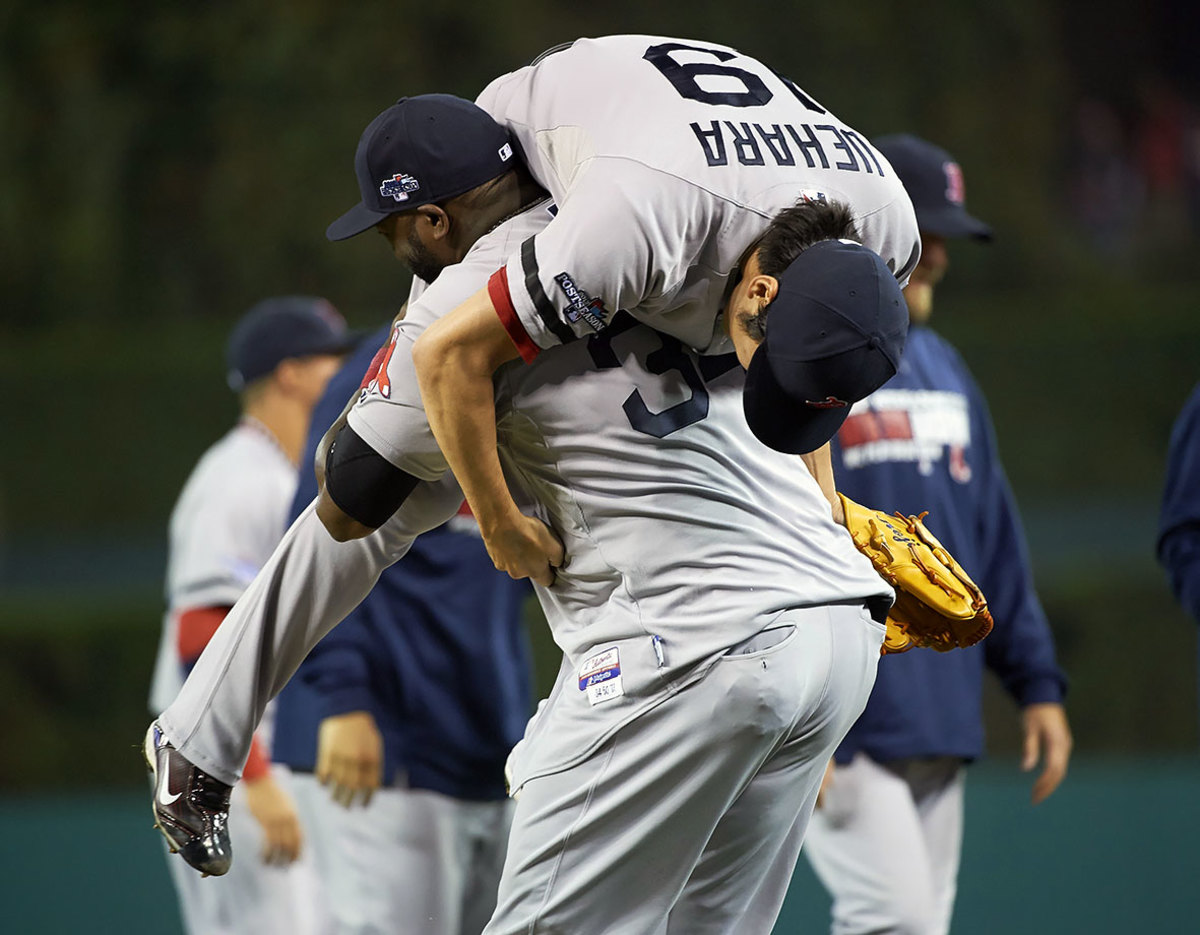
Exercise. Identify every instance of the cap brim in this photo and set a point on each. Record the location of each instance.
(355, 221)
(780, 423)
(953, 222)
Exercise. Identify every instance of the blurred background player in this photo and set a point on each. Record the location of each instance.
(886, 838)
(406, 712)
(1179, 522)
(231, 514)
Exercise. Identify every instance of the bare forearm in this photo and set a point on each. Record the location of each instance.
(458, 399)
(820, 465)
(455, 359)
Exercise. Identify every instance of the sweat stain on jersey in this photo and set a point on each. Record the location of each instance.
(600, 676)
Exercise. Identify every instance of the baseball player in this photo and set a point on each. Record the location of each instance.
(405, 714)
(1179, 521)
(228, 519)
(886, 839)
(1179, 524)
(809, 157)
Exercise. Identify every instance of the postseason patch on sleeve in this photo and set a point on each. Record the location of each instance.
(600, 676)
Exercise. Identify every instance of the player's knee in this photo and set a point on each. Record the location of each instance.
(362, 488)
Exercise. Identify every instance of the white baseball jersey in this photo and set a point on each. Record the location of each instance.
(668, 158)
(228, 519)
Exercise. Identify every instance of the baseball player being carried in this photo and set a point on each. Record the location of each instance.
(720, 632)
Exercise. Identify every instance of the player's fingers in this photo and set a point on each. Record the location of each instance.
(373, 780)
(290, 841)
(274, 843)
(1054, 772)
(1030, 750)
(364, 772)
(544, 577)
(324, 767)
(555, 553)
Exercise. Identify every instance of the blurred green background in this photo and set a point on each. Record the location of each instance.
(164, 166)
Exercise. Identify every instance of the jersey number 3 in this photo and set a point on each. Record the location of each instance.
(670, 357)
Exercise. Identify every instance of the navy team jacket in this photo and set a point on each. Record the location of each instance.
(924, 441)
(1179, 524)
(437, 652)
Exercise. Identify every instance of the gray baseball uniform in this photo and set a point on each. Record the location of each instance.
(228, 519)
(709, 604)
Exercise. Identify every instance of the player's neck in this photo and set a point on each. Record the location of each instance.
(514, 193)
(283, 419)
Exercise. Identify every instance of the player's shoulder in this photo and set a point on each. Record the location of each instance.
(929, 343)
(1191, 407)
(243, 470)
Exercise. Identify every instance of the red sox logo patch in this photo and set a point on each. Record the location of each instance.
(376, 379)
(829, 402)
(956, 190)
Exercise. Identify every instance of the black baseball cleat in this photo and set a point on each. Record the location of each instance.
(191, 808)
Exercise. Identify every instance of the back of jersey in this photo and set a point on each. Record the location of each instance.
(700, 146)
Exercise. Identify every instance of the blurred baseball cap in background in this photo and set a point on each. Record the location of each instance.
(419, 151)
(279, 328)
(835, 333)
(934, 182)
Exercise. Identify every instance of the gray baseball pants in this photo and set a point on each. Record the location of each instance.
(689, 819)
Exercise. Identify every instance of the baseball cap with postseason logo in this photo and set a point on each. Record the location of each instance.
(834, 334)
(422, 150)
(280, 328)
(934, 182)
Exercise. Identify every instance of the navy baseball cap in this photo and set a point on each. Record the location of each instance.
(834, 335)
(421, 150)
(280, 328)
(934, 182)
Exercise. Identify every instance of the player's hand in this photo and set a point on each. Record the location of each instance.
(1048, 736)
(524, 547)
(350, 757)
(826, 780)
(272, 808)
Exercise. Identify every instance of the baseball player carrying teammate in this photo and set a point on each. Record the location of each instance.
(397, 725)
(636, 448)
(228, 519)
(886, 839)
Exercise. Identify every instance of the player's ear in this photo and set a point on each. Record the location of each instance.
(762, 289)
(436, 219)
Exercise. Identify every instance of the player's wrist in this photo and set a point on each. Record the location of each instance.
(495, 515)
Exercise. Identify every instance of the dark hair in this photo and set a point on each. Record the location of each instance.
(792, 231)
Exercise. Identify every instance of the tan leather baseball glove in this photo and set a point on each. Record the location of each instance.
(937, 605)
